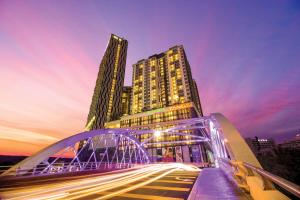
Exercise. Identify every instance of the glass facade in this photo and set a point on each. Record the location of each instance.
(178, 112)
(166, 147)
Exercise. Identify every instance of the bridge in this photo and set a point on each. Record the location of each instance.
(114, 164)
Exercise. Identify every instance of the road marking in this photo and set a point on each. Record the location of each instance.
(183, 179)
(185, 174)
(170, 181)
(117, 183)
(175, 176)
(166, 188)
(142, 196)
(131, 179)
(122, 191)
(85, 185)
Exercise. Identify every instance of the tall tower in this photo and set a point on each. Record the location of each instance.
(106, 101)
(163, 80)
(163, 93)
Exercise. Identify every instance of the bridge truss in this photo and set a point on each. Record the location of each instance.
(117, 148)
(120, 148)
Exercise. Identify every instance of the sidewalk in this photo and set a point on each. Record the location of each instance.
(212, 184)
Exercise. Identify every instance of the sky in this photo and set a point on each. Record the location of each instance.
(244, 56)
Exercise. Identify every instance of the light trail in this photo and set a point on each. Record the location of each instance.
(73, 185)
(93, 185)
(136, 186)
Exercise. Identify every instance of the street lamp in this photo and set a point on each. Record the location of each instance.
(157, 133)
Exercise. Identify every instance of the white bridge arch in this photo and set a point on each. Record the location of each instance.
(222, 138)
(126, 149)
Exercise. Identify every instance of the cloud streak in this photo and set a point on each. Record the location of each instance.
(7, 133)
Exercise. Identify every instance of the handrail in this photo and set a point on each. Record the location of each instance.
(65, 166)
(281, 182)
(285, 184)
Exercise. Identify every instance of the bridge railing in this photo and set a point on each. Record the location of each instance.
(44, 169)
(260, 183)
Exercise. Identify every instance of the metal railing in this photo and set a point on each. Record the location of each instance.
(281, 182)
(46, 169)
(243, 169)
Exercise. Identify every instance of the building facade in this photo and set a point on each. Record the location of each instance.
(126, 100)
(163, 93)
(167, 147)
(292, 143)
(163, 80)
(106, 101)
(260, 145)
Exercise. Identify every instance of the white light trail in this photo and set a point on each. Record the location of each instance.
(89, 185)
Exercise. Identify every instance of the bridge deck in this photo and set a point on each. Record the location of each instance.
(212, 183)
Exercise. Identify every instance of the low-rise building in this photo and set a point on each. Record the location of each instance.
(292, 143)
(260, 145)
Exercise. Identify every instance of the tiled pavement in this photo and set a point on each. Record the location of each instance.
(214, 184)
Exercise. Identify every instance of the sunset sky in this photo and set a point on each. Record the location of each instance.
(245, 58)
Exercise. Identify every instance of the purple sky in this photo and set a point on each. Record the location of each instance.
(245, 58)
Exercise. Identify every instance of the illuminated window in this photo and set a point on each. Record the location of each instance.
(176, 57)
(152, 63)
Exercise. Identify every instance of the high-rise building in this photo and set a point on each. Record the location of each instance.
(106, 101)
(126, 100)
(163, 80)
(163, 93)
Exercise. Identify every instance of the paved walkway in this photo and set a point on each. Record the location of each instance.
(212, 183)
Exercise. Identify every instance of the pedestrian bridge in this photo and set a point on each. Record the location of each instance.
(121, 149)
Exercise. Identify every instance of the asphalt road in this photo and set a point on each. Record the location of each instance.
(157, 181)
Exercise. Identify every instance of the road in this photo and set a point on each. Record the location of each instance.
(171, 181)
